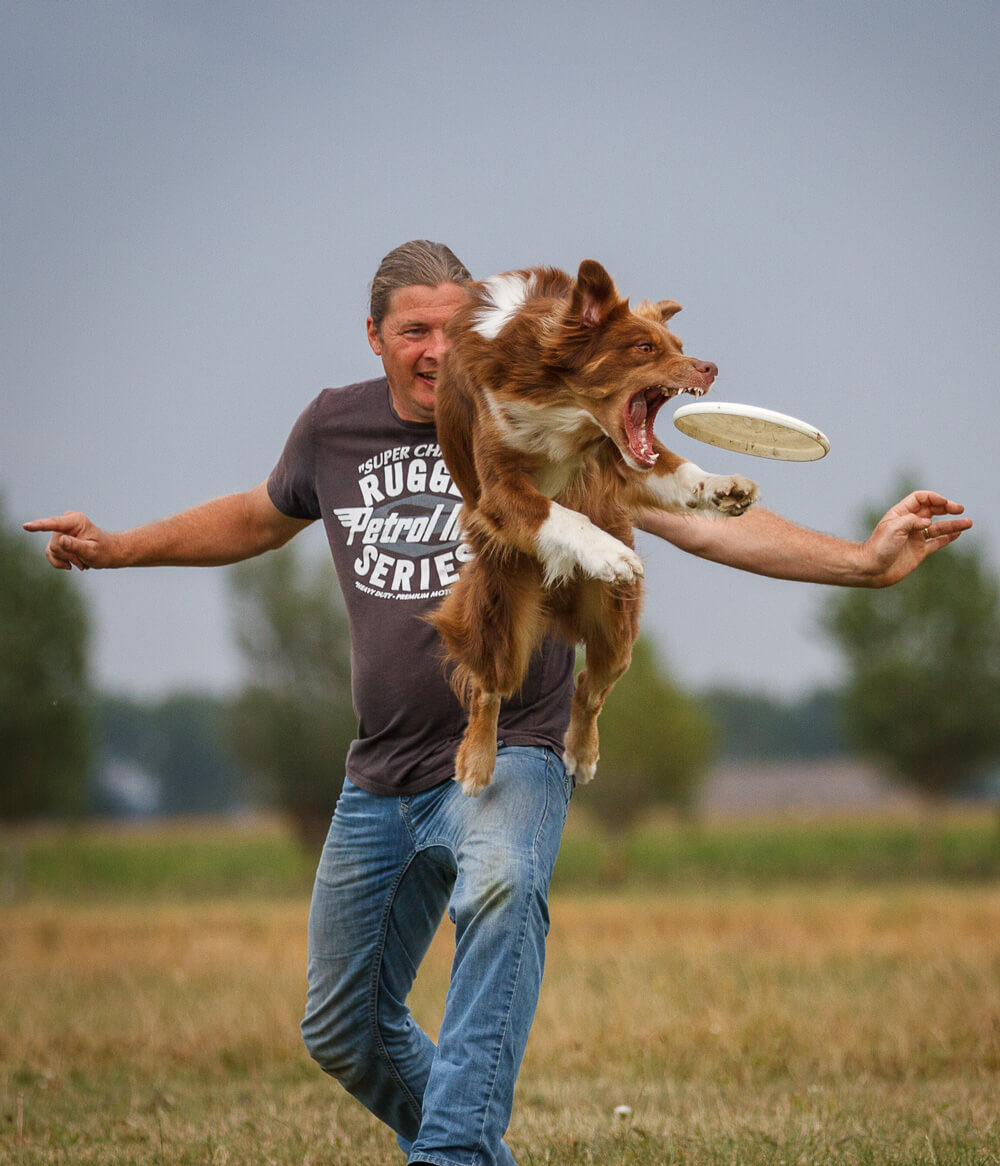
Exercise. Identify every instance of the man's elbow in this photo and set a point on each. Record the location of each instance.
(265, 527)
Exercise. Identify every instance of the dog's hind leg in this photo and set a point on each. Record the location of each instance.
(592, 688)
(477, 754)
(608, 644)
(491, 622)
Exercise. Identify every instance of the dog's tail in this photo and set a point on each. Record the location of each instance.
(491, 622)
(447, 618)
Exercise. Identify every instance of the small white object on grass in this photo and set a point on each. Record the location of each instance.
(623, 1112)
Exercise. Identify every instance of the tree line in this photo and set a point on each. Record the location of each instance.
(922, 701)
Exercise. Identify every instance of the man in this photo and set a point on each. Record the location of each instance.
(405, 844)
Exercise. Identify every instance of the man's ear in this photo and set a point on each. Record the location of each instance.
(373, 336)
(595, 296)
(668, 308)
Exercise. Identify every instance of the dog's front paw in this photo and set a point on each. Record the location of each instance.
(568, 541)
(614, 562)
(730, 494)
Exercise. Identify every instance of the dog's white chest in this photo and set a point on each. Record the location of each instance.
(553, 432)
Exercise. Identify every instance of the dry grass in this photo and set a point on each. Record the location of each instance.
(800, 1026)
(742, 1028)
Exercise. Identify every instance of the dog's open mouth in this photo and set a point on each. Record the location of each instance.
(640, 413)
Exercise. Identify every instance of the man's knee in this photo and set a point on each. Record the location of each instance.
(340, 1046)
(335, 1028)
(342, 1042)
(501, 883)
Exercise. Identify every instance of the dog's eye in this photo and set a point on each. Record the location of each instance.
(645, 347)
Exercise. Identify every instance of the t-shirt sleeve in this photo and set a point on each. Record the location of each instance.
(292, 483)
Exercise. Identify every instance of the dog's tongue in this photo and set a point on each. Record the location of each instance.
(639, 426)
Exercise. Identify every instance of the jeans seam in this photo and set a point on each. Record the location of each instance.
(523, 931)
(373, 993)
(404, 813)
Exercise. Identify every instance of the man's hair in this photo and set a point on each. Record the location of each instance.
(419, 262)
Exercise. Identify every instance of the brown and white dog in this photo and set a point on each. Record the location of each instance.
(545, 404)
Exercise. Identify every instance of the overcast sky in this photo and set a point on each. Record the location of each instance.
(196, 195)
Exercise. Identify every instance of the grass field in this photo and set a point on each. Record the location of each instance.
(795, 1020)
(202, 859)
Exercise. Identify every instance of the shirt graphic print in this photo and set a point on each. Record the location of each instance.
(406, 533)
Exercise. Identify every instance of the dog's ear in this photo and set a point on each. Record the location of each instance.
(593, 303)
(667, 308)
(595, 297)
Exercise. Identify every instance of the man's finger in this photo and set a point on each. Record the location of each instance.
(71, 553)
(949, 528)
(906, 523)
(77, 550)
(939, 541)
(57, 561)
(933, 503)
(63, 522)
(938, 505)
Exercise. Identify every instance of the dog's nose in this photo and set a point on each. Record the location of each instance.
(707, 367)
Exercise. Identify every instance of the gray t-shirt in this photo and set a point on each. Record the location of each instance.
(391, 514)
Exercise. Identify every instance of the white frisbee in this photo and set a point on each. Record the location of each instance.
(750, 429)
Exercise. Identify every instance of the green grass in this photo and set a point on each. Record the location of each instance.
(187, 860)
(192, 861)
(958, 847)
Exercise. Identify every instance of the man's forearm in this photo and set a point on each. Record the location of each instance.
(761, 541)
(209, 535)
(225, 530)
(764, 543)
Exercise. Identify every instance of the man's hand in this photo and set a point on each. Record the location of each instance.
(768, 544)
(907, 534)
(76, 542)
(224, 530)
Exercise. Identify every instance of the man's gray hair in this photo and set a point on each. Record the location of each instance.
(419, 262)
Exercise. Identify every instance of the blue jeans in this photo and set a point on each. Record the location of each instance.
(389, 868)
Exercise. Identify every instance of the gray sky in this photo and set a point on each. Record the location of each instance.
(195, 197)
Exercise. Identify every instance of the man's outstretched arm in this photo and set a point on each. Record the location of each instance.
(224, 530)
(765, 543)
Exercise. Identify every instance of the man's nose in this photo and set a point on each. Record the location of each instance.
(437, 344)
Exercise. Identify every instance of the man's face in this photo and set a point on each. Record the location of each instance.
(411, 342)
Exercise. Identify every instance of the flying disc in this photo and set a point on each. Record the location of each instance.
(750, 429)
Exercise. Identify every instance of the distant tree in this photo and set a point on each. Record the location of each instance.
(923, 695)
(196, 769)
(180, 742)
(292, 723)
(656, 744)
(45, 717)
(756, 727)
